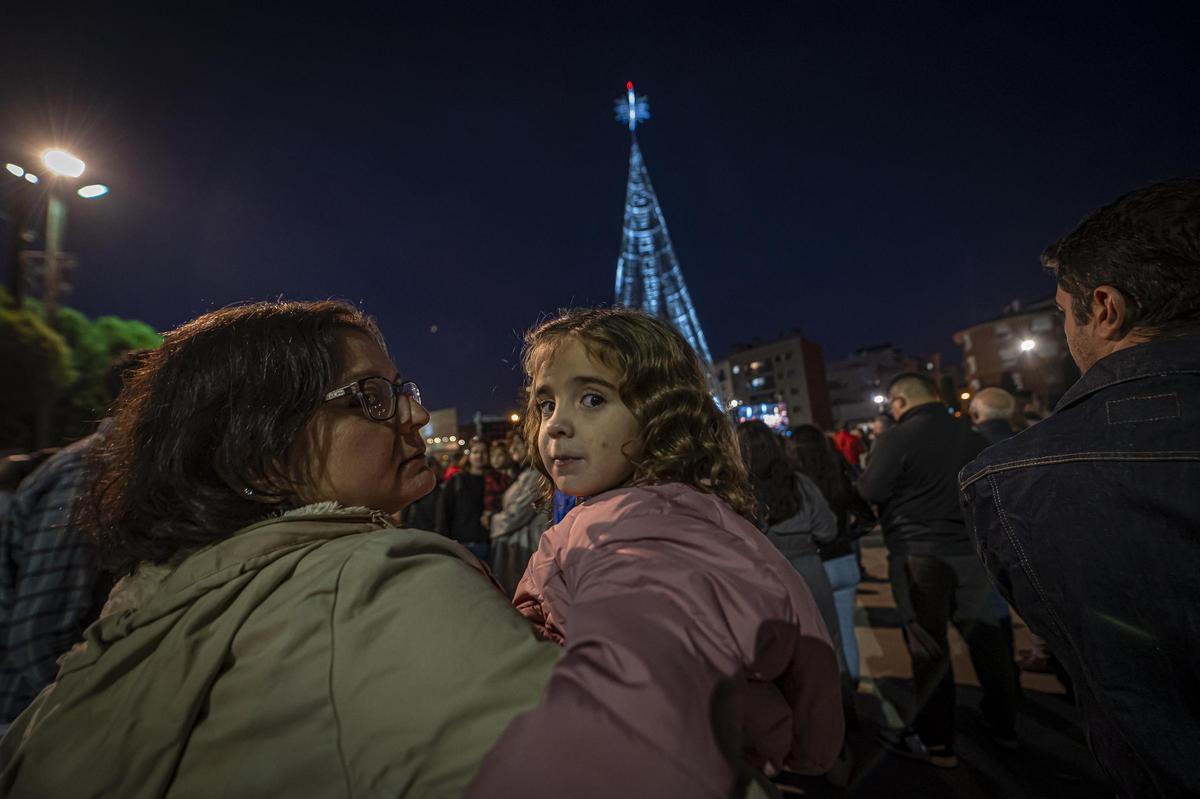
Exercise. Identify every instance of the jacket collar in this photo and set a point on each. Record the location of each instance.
(1163, 356)
(921, 410)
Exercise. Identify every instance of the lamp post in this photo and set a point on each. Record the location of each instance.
(61, 166)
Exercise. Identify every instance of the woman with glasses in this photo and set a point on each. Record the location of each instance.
(273, 633)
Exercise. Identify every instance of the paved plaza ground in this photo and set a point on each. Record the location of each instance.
(1053, 760)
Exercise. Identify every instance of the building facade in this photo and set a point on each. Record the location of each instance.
(1024, 351)
(781, 382)
(858, 384)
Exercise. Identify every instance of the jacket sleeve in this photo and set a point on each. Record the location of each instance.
(883, 467)
(654, 663)
(429, 665)
(518, 508)
(823, 523)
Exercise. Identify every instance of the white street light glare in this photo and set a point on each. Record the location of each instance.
(1027, 345)
(62, 163)
(92, 191)
(15, 170)
(32, 178)
(879, 399)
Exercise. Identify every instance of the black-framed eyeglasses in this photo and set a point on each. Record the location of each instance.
(377, 395)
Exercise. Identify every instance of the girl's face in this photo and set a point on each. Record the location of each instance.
(586, 434)
(518, 451)
(499, 458)
(359, 462)
(477, 456)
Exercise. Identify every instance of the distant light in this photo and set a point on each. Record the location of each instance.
(929, 365)
(1027, 345)
(62, 163)
(16, 170)
(965, 395)
(92, 191)
(437, 440)
(628, 85)
(32, 178)
(514, 418)
(879, 399)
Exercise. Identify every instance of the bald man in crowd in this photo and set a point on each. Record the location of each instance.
(936, 577)
(991, 412)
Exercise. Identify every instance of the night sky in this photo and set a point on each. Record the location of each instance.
(864, 173)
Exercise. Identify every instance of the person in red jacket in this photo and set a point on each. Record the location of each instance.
(850, 445)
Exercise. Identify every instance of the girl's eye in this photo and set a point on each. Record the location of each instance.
(592, 400)
(546, 407)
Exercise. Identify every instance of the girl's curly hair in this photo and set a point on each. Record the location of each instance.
(685, 436)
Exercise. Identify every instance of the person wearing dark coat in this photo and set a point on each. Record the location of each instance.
(935, 574)
(460, 507)
(1088, 521)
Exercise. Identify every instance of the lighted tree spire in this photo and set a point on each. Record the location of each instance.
(648, 274)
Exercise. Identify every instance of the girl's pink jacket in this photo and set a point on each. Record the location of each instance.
(692, 647)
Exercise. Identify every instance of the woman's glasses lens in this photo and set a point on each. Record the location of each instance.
(378, 398)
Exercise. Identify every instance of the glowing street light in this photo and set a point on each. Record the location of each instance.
(879, 399)
(32, 178)
(60, 162)
(1027, 345)
(92, 191)
(514, 418)
(965, 395)
(13, 169)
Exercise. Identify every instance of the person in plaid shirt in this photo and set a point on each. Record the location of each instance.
(51, 587)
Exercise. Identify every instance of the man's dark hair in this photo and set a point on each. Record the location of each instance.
(208, 432)
(906, 381)
(1146, 244)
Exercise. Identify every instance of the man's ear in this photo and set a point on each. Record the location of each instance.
(1110, 313)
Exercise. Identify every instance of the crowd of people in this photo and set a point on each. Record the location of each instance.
(253, 579)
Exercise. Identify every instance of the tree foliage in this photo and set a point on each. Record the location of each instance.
(66, 366)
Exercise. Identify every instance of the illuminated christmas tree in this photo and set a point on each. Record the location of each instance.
(648, 273)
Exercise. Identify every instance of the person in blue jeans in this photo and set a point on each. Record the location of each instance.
(817, 460)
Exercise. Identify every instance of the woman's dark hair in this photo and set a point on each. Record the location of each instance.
(207, 435)
(772, 476)
(817, 460)
(1145, 243)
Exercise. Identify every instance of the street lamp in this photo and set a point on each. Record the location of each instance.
(966, 395)
(879, 399)
(61, 165)
(61, 162)
(1028, 345)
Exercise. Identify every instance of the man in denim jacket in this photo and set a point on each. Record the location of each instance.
(1089, 523)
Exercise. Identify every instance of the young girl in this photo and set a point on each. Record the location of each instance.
(690, 641)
